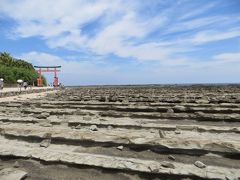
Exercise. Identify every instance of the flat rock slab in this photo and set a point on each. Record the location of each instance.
(114, 162)
(139, 123)
(223, 142)
(27, 96)
(12, 174)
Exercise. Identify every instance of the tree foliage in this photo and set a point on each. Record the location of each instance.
(13, 69)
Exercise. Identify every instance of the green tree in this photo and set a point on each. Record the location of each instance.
(13, 69)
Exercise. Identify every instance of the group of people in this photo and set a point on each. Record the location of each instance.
(23, 84)
(20, 83)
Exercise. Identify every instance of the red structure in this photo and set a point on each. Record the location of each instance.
(42, 69)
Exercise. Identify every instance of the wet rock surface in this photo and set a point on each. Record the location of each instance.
(133, 132)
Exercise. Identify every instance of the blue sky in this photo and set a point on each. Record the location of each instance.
(126, 41)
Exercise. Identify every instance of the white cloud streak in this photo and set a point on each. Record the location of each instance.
(209, 36)
(194, 11)
(228, 57)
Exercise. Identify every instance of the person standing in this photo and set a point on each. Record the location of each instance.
(25, 85)
(20, 83)
(1, 83)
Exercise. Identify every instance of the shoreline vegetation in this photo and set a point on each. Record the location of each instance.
(12, 69)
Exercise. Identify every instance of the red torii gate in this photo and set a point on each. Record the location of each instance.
(47, 69)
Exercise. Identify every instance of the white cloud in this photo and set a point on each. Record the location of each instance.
(121, 29)
(112, 39)
(73, 72)
(196, 23)
(51, 20)
(192, 41)
(209, 36)
(228, 57)
(47, 18)
(194, 11)
(39, 58)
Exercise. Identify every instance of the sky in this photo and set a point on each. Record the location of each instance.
(126, 41)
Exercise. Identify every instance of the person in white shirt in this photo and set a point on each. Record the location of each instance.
(20, 84)
(1, 83)
(25, 85)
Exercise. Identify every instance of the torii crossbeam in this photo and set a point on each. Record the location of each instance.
(42, 69)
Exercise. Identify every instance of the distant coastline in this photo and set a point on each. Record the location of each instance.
(161, 85)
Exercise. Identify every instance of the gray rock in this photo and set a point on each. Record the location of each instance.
(26, 104)
(180, 108)
(12, 174)
(2, 131)
(43, 115)
(213, 155)
(161, 134)
(120, 148)
(93, 128)
(153, 169)
(186, 127)
(228, 178)
(87, 118)
(110, 127)
(177, 132)
(199, 164)
(170, 110)
(45, 124)
(79, 112)
(106, 99)
(113, 99)
(47, 135)
(167, 165)
(152, 131)
(16, 164)
(171, 157)
(45, 143)
(78, 126)
(202, 101)
(199, 114)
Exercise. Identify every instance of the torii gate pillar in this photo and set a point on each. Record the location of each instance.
(55, 83)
